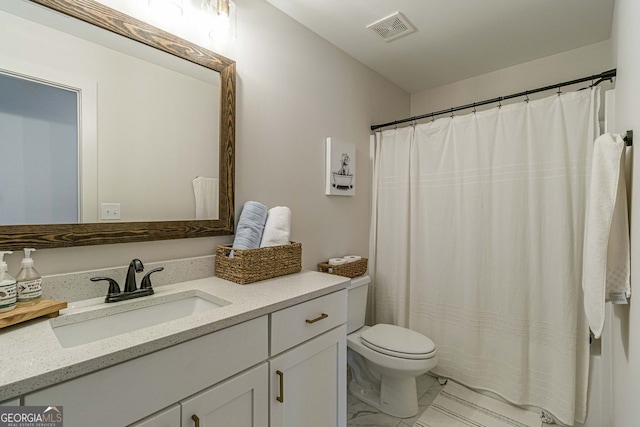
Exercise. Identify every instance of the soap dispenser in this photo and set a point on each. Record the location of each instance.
(28, 280)
(7, 286)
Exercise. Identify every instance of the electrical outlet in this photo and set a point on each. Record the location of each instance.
(110, 211)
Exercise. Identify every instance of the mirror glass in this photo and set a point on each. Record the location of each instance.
(148, 149)
(38, 153)
(151, 120)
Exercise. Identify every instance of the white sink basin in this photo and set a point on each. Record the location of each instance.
(89, 326)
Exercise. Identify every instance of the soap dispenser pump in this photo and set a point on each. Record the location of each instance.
(28, 280)
(7, 286)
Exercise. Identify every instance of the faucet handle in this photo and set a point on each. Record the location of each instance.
(113, 285)
(146, 280)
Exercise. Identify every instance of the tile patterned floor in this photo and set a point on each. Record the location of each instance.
(360, 414)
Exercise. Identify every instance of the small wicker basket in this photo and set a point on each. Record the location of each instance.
(252, 265)
(350, 269)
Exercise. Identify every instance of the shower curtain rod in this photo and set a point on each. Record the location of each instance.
(596, 79)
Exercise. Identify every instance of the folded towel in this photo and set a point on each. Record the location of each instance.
(606, 262)
(250, 226)
(277, 230)
(206, 192)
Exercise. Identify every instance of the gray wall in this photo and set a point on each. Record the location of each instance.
(565, 66)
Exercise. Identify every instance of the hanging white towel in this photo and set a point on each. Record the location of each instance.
(206, 192)
(606, 263)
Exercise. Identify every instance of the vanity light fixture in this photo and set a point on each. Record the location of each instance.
(219, 18)
(168, 8)
(223, 7)
(215, 8)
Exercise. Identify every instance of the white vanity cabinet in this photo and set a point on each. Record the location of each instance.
(284, 369)
(128, 392)
(308, 380)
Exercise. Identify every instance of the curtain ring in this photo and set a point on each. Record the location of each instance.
(433, 118)
(474, 108)
(559, 91)
(500, 102)
(451, 111)
(526, 94)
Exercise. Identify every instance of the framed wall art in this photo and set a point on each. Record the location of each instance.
(340, 168)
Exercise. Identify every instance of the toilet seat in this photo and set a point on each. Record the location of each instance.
(399, 342)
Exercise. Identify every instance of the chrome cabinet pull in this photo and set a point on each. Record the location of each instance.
(322, 316)
(280, 398)
(196, 420)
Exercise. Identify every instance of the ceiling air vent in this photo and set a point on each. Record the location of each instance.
(392, 27)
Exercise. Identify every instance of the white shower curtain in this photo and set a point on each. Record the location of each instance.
(477, 234)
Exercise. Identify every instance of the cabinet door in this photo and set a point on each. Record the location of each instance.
(308, 383)
(238, 402)
(169, 417)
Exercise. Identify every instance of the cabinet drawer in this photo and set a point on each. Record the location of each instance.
(293, 325)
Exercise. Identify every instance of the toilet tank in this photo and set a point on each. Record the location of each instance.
(357, 302)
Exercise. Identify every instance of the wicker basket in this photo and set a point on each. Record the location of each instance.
(252, 265)
(350, 269)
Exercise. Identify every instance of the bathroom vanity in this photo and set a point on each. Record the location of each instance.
(272, 353)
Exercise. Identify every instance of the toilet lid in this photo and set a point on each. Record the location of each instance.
(399, 342)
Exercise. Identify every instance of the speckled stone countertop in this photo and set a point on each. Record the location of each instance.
(32, 358)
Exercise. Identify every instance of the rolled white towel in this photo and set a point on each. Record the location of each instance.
(352, 258)
(277, 230)
(337, 261)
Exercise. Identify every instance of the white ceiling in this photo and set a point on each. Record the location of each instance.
(456, 39)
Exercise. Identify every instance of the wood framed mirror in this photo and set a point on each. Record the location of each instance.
(15, 237)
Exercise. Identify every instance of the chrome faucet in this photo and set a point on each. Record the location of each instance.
(130, 288)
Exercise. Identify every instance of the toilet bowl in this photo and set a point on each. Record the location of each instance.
(384, 359)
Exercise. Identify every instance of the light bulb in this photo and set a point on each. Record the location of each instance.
(223, 8)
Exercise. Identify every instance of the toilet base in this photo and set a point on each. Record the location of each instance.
(370, 397)
(397, 397)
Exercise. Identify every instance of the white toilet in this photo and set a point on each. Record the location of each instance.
(384, 359)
